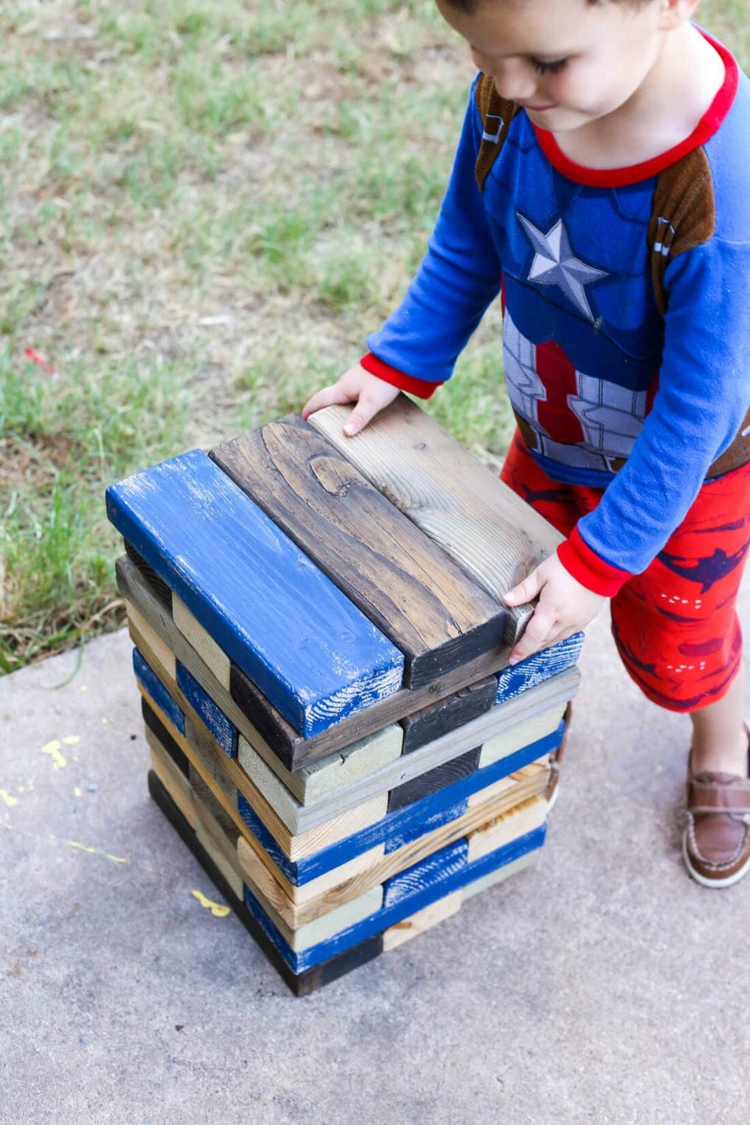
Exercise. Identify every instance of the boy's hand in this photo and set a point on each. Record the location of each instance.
(564, 607)
(356, 385)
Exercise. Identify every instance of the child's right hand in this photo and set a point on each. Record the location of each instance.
(357, 385)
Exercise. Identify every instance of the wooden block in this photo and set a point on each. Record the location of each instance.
(162, 700)
(301, 984)
(499, 746)
(312, 653)
(153, 723)
(537, 668)
(448, 714)
(401, 580)
(434, 780)
(212, 656)
(159, 655)
(422, 921)
(224, 860)
(172, 779)
(297, 904)
(480, 522)
(500, 874)
(531, 781)
(157, 585)
(517, 822)
(213, 718)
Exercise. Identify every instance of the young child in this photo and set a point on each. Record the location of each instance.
(602, 187)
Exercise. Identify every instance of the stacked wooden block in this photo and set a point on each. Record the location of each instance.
(322, 652)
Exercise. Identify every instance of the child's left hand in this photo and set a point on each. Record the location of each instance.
(565, 607)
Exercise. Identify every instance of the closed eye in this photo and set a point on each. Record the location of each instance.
(542, 66)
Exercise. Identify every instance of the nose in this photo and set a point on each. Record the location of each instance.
(515, 80)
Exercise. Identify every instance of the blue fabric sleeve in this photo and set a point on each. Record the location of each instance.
(458, 278)
(703, 395)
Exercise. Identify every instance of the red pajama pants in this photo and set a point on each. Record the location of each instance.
(675, 626)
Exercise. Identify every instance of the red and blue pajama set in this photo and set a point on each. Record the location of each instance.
(626, 341)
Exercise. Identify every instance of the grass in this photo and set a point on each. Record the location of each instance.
(205, 207)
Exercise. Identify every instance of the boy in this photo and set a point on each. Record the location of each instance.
(602, 184)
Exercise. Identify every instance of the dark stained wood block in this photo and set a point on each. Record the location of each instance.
(157, 584)
(400, 579)
(313, 653)
(434, 780)
(448, 714)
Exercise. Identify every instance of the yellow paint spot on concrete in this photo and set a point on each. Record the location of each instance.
(10, 801)
(77, 792)
(84, 687)
(216, 908)
(105, 721)
(27, 788)
(53, 749)
(94, 851)
(71, 740)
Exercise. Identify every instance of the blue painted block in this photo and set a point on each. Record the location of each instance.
(410, 822)
(440, 864)
(400, 836)
(444, 880)
(313, 654)
(214, 719)
(155, 688)
(537, 668)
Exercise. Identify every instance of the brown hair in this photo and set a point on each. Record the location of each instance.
(470, 6)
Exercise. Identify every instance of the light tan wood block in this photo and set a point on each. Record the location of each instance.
(506, 828)
(208, 650)
(152, 647)
(529, 781)
(289, 900)
(428, 475)
(173, 780)
(527, 732)
(229, 869)
(421, 921)
(500, 874)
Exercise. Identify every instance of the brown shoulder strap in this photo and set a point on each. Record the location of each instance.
(497, 114)
(683, 216)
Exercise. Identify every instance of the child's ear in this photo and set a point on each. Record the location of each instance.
(676, 12)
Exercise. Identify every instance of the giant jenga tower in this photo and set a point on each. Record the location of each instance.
(322, 652)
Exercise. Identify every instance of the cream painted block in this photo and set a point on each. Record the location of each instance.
(500, 874)
(535, 774)
(323, 778)
(328, 775)
(423, 920)
(508, 827)
(163, 655)
(310, 933)
(523, 735)
(173, 779)
(280, 895)
(209, 651)
(316, 839)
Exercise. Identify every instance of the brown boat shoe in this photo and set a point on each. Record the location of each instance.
(716, 843)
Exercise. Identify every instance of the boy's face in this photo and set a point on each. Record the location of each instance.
(566, 62)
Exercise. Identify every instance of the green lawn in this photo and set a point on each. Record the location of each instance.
(205, 206)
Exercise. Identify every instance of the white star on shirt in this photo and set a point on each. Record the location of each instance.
(555, 264)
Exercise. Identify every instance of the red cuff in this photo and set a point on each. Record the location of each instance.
(419, 387)
(588, 568)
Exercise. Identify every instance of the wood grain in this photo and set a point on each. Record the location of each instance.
(400, 579)
(432, 781)
(212, 656)
(448, 714)
(310, 650)
(480, 522)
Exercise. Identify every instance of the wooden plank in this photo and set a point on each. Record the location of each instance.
(315, 656)
(500, 875)
(432, 781)
(201, 640)
(497, 747)
(400, 579)
(303, 903)
(163, 701)
(537, 668)
(301, 984)
(448, 714)
(422, 921)
(172, 778)
(162, 658)
(516, 822)
(157, 585)
(154, 724)
(212, 717)
(480, 522)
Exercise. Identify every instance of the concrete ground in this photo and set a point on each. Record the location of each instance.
(603, 986)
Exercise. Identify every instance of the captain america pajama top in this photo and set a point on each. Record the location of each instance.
(626, 342)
